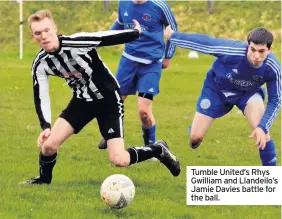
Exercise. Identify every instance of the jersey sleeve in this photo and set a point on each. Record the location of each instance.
(274, 92)
(208, 45)
(168, 19)
(103, 38)
(41, 96)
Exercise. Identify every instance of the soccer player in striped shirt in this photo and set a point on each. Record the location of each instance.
(95, 95)
(142, 61)
(235, 79)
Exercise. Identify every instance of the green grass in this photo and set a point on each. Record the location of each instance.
(81, 167)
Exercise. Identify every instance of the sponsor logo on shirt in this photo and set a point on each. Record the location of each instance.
(132, 26)
(75, 74)
(240, 82)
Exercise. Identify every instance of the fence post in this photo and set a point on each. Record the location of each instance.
(210, 6)
(106, 5)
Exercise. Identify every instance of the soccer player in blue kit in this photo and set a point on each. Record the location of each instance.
(235, 78)
(142, 61)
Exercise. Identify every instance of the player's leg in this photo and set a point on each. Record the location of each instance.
(148, 87)
(126, 77)
(145, 102)
(110, 122)
(253, 109)
(76, 115)
(48, 154)
(123, 97)
(199, 128)
(122, 158)
(211, 105)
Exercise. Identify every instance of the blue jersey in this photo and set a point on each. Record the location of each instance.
(152, 16)
(233, 73)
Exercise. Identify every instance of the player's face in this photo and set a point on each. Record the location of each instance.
(139, 1)
(257, 53)
(45, 33)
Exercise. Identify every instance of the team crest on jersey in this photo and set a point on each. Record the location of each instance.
(72, 62)
(146, 17)
(257, 78)
(205, 103)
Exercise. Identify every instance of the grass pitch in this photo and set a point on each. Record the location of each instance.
(81, 167)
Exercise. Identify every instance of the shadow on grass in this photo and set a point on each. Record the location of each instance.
(119, 213)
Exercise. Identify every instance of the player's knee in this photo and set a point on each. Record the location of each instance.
(144, 115)
(118, 160)
(49, 147)
(143, 112)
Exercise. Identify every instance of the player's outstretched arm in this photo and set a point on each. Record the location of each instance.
(206, 44)
(122, 36)
(102, 38)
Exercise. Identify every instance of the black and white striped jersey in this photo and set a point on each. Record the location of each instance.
(78, 62)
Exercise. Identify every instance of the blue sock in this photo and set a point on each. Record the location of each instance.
(149, 135)
(268, 155)
(193, 145)
(189, 130)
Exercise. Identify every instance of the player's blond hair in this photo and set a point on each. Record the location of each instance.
(39, 16)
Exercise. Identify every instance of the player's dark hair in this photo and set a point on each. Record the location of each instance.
(262, 36)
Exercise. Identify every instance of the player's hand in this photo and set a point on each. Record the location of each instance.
(168, 31)
(137, 26)
(166, 63)
(259, 134)
(44, 135)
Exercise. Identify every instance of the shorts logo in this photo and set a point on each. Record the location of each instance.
(151, 90)
(111, 131)
(146, 17)
(205, 103)
(272, 160)
(235, 70)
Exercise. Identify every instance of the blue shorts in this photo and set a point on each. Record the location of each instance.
(215, 104)
(134, 76)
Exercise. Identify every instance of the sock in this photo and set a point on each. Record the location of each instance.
(189, 130)
(149, 135)
(268, 155)
(46, 164)
(196, 144)
(139, 154)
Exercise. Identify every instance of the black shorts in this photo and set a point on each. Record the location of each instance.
(108, 111)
